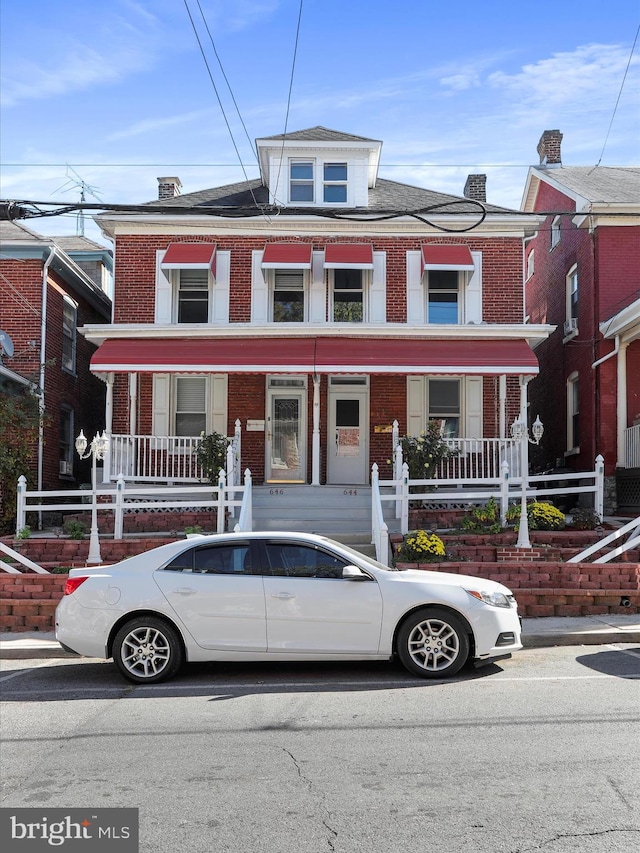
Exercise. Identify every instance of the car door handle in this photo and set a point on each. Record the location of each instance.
(283, 596)
(185, 590)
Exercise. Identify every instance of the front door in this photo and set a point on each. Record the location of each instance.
(285, 442)
(348, 438)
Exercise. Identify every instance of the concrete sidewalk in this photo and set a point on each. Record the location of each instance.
(536, 633)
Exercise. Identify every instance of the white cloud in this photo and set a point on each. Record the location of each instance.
(152, 125)
(459, 82)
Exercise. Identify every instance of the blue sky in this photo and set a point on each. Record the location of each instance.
(119, 90)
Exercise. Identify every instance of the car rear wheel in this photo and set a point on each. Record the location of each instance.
(433, 643)
(147, 650)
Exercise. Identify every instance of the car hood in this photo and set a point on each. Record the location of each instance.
(450, 579)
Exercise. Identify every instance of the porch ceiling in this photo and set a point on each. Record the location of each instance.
(314, 355)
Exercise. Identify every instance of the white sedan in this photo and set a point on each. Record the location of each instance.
(280, 596)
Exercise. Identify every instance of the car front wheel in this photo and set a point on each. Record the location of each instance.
(433, 643)
(147, 650)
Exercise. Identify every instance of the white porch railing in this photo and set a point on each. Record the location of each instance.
(379, 529)
(632, 446)
(165, 459)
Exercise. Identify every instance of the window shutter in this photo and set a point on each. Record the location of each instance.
(378, 291)
(473, 301)
(221, 288)
(317, 290)
(259, 290)
(415, 405)
(416, 313)
(163, 293)
(161, 385)
(473, 407)
(219, 403)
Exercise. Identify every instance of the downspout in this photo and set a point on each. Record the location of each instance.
(43, 348)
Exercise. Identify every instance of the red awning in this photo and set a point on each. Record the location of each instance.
(195, 256)
(314, 355)
(287, 256)
(446, 256)
(354, 256)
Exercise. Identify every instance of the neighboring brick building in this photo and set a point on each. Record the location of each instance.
(584, 277)
(44, 297)
(315, 305)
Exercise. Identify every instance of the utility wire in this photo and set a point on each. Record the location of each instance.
(293, 68)
(615, 109)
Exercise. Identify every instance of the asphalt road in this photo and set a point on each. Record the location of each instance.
(536, 753)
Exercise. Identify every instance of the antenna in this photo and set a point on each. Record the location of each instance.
(74, 181)
(6, 344)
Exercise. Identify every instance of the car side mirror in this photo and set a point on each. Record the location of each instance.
(353, 573)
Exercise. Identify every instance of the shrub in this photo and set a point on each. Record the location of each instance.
(584, 518)
(74, 529)
(483, 518)
(24, 532)
(424, 452)
(194, 528)
(211, 454)
(422, 547)
(540, 515)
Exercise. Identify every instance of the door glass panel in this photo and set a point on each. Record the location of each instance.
(286, 439)
(347, 427)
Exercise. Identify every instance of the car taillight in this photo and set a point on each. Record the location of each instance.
(72, 584)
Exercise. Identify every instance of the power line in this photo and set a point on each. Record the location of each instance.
(293, 66)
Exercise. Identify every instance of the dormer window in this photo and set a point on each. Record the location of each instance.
(335, 183)
(301, 180)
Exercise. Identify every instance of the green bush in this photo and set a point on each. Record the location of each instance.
(540, 515)
(483, 519)
(194, 528)
(422, 547)
(424, 452)
(24, 532)
(585, 518)
(211, 454)
(74, 529)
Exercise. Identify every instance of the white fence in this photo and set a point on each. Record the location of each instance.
(632, 447)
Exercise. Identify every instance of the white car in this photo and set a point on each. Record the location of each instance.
(280, 597)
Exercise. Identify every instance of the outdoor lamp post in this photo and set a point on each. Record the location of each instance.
(97, 450)
(520, 433)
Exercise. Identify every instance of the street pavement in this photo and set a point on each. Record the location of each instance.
(540, 632)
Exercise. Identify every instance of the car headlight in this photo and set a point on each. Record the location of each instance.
(495, 599)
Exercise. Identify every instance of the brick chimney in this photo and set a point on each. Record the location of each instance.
(549, 148)
(476, 187)
(168, 188)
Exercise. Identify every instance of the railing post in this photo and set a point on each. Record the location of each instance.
(599, 493)
(404, 515)
(375, 488)
(397, 476)
(395, 436)
(118, 522)
(249, 503)
(504, 493)
(237, 446)
(231, 477)
(222, 478)
(21, 512)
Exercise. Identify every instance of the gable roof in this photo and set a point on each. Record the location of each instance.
(587, 185)
(318, 134)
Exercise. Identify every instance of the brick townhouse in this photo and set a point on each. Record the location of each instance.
(583, 276)
(314, 305)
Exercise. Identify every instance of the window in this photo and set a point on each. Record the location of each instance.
(348, 296)
(217, 560)
(556, 232)
(191, 405)
(531, 263)
(66, 441)
(193, 296)
(572, 294)
(335, 183)
(288, 296)
(301, 180)
(300, 561)
(573, 414)
(443, 296)
(443, 404)
(69, 326)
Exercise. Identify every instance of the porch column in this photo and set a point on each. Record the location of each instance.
(503, 405)
(133, 397)
(621, 414)
(315, 441)
(108, 427)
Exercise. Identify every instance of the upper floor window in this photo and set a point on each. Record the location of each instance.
(531, 263)
(335, 183)
(348, 296)
(556, 232)
(192, 296)
(572, 294)
(69, 327)
(443, 405)
(301, 180)
(443, 296)
(289, 296)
